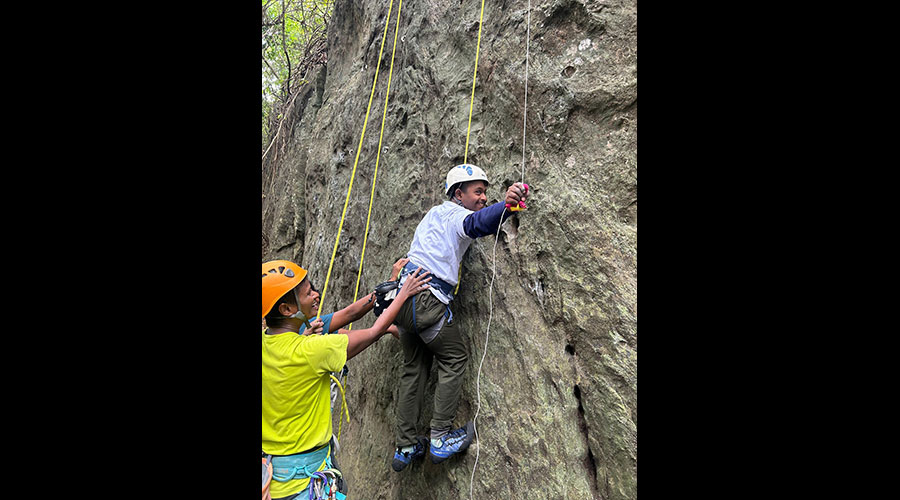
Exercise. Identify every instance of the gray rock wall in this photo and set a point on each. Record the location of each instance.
(558, 385)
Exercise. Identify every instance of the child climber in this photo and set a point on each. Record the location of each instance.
(427, 328)
(296, 366)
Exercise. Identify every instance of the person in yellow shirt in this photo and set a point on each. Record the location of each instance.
(297, 361)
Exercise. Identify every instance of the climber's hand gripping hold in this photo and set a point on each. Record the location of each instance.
(516, 195)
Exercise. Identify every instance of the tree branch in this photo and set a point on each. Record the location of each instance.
(284, 46)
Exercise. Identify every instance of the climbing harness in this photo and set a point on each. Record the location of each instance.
(446, 288)
(443, 286)
(387, 291)
(325, 480)
(496, 239)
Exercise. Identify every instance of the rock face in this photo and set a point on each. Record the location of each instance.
(558, 386)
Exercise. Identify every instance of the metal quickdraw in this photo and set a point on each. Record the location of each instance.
(323, 485)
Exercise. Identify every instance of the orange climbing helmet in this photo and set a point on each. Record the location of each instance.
(278, 278)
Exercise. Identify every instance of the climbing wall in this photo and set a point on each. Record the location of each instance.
(558, 386)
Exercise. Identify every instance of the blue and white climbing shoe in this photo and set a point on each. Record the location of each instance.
(402, 459)
(455, 441)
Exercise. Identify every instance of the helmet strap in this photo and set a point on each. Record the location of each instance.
(455, 198)
(297, 315)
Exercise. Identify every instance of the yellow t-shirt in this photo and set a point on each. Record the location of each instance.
(296, 395)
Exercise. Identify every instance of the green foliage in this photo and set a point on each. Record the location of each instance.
(293, 35)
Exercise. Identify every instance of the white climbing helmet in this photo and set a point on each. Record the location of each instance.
(463, 173)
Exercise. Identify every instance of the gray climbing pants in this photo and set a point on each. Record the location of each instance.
(433, 337)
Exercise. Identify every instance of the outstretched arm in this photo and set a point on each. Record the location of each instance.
(359, 308)
(360, 339)
(487, 220)
(353, 312)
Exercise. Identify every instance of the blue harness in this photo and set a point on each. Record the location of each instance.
(307, 465)
(443, 286)
(300, 466)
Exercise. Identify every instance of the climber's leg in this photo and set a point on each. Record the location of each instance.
(451, 353)
(413, 376)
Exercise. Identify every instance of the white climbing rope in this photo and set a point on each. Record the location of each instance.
(494, 267)
(525, 111)
(483, 354)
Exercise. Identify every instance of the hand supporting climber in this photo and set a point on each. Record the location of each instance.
(360, 339)
(345, 316)
(397, 267)
(395, 273)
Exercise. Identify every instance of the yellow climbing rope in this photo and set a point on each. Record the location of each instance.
(355, 163)
(343, 407)
(377, 155)
(472, 100)
(344, 411)
(471, 106)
